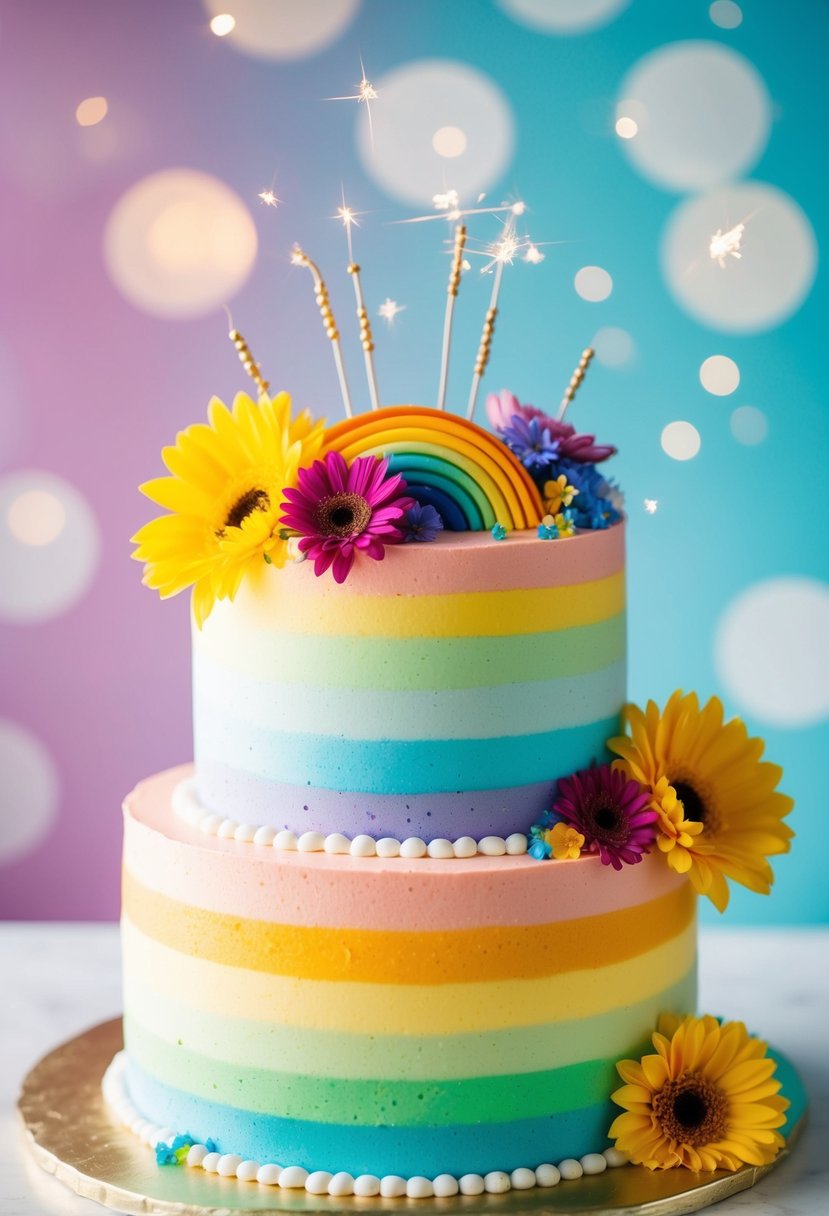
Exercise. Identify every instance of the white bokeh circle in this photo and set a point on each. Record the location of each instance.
(419, 99)
(749, 425)
(614, 347)
(29, 801)
(284, 29)
(726, 14)
(680, 440)
(763, 287)
(772, 651)
(705, 115)
(49, 546)
(179, 243)
(719, 375)
(564, 16)
(593, 284)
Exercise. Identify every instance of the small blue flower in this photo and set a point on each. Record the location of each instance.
(531, 442)
(164, 1154)
(182, 1142)
(547, 531)
(540, 850)
(211, 1146)
(498, 531)
(422, 523)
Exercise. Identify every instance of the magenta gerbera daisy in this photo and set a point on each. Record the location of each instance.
(340, 510)
(612, 813)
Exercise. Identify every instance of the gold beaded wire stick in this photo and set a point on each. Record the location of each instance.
(366, 341)
(300, 258)
(246, 358)
(575, 380)
(502, 251)
(452, 294)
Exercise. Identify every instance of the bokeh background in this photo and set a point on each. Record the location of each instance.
(135, 141)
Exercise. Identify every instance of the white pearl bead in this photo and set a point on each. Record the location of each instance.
(268, 1175)
(441, 849)
(166, 1134)
(363, 846)
(569, 1169)
(445, 1185)
(211, 824)
(387, 846)
(227, 1165)
(367, 1185)
(317, 1182)
(197, 1154)
(227, 829)
(293, 1177)
(522, 1179)
(285, 840)
(392, 1186)
(311, 842)
(264, 835)
(615, 1158)
(413, 846)
(593, 1163)
(211, 1162)
(547, 1175)
(496, 1182)
(471, 1184)
(419, 1188)
(516, 844)
(245, 832)
(247, 1171)
(492, 846)
(337, 843)
(465, 846)
(341, 1184)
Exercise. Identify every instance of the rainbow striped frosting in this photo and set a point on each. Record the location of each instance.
(437, 693)
(388, 1017)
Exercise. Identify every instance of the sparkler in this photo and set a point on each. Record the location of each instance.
(651, 505)
(452, 294)
(269, 198)
(367, 93)
(502, 252)
(448, 207)
(246, 358)
(575, 380)
(366, 341)
(726, 244)
(389, 309)
(300, 258)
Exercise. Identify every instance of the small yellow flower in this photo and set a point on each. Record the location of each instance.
(565, 842)
(565, 524)
(558, 494)
(706, 1100)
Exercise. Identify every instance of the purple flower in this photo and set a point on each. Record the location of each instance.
(501, 408)
(612, 813)
(531, 442)
(341, 510)
(422, 523)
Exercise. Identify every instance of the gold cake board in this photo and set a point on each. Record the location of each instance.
(70, 1133)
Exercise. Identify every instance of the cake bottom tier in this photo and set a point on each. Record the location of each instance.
(388, 1016)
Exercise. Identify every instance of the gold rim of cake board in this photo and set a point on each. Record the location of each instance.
(70, 1133)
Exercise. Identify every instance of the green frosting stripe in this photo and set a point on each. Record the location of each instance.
(436, 663)
(371, 1102)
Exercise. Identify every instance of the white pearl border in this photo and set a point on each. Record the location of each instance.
(187, 807)
(320, 1182)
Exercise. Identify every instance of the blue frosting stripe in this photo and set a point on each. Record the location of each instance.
(450, 512)
(457, 1149)
(393, 766)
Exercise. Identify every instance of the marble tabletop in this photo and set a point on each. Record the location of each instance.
(59, 979)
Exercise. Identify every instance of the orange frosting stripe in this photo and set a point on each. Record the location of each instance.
(495, 952)
(447, 433)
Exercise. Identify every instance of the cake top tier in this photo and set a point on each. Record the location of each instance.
(255, 484)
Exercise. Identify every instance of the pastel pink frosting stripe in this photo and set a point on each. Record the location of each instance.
(458, 562)
(262, 883)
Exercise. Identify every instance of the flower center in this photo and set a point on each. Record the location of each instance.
(253, 500)
(607, 823)
(694, 806)
(342, 515)
(691, 1110)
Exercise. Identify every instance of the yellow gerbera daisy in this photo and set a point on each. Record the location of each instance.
(701, 770)
(224, 498)
(707, 1100)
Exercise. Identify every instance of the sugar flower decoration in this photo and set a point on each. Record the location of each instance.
(547, 529)
(223, 495)
(503, 407)
(714, 771)
(708, 1099)
(565, 842)
(498, 532)
(613, 813)
(422, 523)
(565, 523)
(558, 493)
(531, 442)
(341, 510)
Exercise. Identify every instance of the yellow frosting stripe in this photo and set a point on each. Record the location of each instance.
(403, 1009)
(374, 956)
(467, 614)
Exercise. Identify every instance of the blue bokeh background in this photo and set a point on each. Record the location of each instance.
(99, 385)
